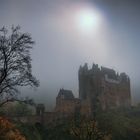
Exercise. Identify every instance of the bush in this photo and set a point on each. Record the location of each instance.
(8, 131)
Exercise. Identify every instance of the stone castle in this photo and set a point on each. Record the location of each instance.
(98, 87)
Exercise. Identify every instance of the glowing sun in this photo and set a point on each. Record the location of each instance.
(87, 20)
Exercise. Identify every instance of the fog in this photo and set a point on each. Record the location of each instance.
(61, 46)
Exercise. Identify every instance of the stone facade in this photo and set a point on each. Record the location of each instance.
(103, 86)
(66, 102)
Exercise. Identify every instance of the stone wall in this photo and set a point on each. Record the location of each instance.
(67, 106)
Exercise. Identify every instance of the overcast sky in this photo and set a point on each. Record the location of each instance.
(61, 46)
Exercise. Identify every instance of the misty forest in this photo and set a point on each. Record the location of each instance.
(69, 70)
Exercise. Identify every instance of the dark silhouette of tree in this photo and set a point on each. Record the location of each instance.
(87, 130)
(15, 63)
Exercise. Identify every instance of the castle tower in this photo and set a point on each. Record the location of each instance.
(103, 87)
(89, 88)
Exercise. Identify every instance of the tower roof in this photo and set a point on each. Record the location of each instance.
(67, 94)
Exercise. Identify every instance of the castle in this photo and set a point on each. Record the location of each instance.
(98, 87)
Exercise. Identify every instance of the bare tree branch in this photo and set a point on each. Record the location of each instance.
(15, 62)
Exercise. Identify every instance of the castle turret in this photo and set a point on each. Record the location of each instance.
(66, 103)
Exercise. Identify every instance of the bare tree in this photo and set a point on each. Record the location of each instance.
(15, 63)
(87, 130)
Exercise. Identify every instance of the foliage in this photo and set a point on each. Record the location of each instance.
(122, 124)
(87, 130)
(8, 131)
(21, 109)
(30, 131)
(15, 63)
(59, 132)
(116, 124)
(76, 130)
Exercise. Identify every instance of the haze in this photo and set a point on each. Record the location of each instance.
(62, 45)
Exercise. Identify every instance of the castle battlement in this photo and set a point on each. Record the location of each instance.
(110, 75)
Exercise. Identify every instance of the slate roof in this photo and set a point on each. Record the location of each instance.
(67, 94)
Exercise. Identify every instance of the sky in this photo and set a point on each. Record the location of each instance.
(64, 41)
